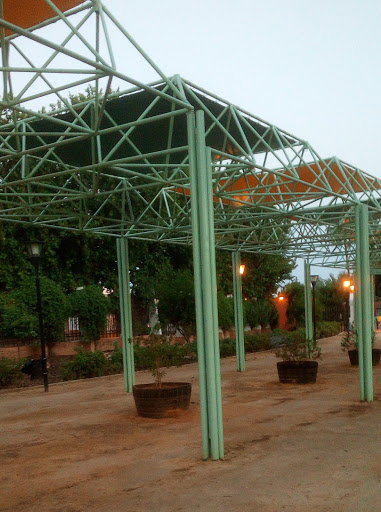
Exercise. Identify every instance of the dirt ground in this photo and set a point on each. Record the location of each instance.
(307, 448)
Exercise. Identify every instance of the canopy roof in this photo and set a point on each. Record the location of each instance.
(117, 164)
(28, 13)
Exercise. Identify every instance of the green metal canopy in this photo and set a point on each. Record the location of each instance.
(129, 176)
(170, 162)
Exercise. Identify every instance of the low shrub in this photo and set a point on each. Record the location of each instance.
(10, 371)
(258, 342)
(297, 349)
(116, 359)
(186, 352)
(158, 352)
(327, 329)
(84, 365)
(227, 347)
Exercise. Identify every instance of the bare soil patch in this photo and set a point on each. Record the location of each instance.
(289, 448)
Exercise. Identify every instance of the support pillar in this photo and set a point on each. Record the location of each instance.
(308, 303)
(372, 302)
(364, 314)
(205, 289)
(125, 314)
(238, 312)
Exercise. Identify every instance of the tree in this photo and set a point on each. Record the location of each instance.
(91, 307)
(19, 312)
(263, 275)
(225, 311)
(176, 306)
(295, 308)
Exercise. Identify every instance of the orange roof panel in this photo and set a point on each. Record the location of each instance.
(27, 13)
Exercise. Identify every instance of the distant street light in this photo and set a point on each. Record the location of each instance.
(314, 280)
(242, 269)
(34, 250)
(349, 287)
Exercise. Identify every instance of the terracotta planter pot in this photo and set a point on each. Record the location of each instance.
(167, 401)
(297, 372)
(354, 357)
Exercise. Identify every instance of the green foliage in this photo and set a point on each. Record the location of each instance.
(257, 342)
(251, 313)
(116, 359)
(176, 306)
(19, 312)
(327, 329)
(225, 311)
(263, 275)
(227, 347)
(349, 341)
(157, 352)
(295, 309)
(296, 348)
(91, 307)
(10, 371)
(267, 314)
(16, 320)
(330, 294)
(84, 365)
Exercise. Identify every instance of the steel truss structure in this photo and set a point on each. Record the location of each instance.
(165, 161)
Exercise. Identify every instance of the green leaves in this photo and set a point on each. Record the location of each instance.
(91, 307)
(18, 310)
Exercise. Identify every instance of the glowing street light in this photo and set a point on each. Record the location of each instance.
(349, 287)
(242, 269)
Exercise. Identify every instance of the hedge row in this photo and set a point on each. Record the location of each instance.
(95, 364)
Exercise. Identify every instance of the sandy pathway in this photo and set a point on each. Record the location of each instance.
(82, 447)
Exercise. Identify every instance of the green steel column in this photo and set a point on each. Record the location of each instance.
(358, 324)
(208, 177)
(372, 301)
(308, 303)
(363, 296)
(197, 286)
(238, 312)
(125, 314)
(205, 290)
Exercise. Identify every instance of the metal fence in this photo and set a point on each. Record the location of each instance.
(72, 332)
(73, 328)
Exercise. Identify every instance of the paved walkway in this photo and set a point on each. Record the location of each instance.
(289, 448)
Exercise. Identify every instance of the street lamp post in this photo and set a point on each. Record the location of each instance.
(348, 287)
(34, 251)
(314, 280)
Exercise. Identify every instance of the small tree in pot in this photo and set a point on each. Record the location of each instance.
(298, 363)
(160, 399)
(349, 342)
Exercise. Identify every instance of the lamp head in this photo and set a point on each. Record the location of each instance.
(314, 280)
(34, 248)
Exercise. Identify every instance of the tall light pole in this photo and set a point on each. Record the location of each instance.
(34, 250)
(314, 280)
(348, 287)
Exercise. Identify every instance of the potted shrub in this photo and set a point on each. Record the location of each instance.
(298, 364)
(161, 399)
(349, 342)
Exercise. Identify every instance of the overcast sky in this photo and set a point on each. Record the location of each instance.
(310, 67)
